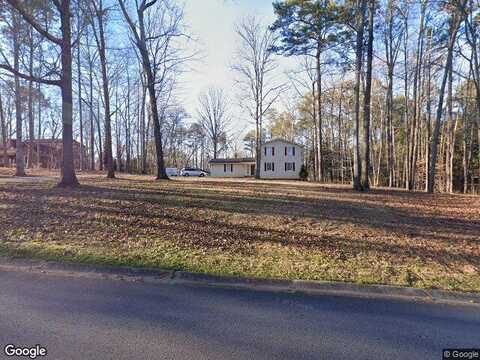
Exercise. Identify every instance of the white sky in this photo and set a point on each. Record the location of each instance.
(212, 22)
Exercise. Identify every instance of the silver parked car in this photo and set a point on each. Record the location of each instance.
(188, 171)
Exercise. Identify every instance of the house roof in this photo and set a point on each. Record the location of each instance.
(282, 140)
(232, 161)
(13, 142)
(51, 141)
(10, 151)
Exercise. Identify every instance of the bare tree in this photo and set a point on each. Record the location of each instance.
(98, 13)
(90, 58)
(456, 18)
(79, 87)
(31, 125)
(393, 33)
(255, 66)
(154, 27)
(213, 116)
(361, 6)
(14, 29)
(304, 81)
(3, 128)
(64, 42)
(365, 174)
(19, 153)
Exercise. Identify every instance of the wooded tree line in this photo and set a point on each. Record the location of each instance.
(400, 103)
(117, 89)
(386, 92)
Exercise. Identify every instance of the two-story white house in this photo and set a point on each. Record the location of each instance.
(280, 159)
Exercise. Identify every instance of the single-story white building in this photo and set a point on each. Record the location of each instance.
(280, 159)
(237, 167)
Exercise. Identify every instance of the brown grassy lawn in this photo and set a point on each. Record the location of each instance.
(248, 228)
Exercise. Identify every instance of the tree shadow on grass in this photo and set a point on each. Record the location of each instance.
(136, 212)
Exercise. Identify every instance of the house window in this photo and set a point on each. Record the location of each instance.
(269, 166)
(269, 151)
(231, 167)
(290, 151)
(289, 166)
(224, 167)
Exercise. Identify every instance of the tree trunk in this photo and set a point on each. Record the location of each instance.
(467, 150)
(92, 125)
(406, 164)
(19, 153)
(365, 173)
(390, 130)
(68, 170)
(429, 110)
(31, 125)
(340, 134)
(314, 135)
(147, 68)
(144, 131)
(100, 145)
(436, 132)
(3, 128)
(215, 148)
(139, 111)
(449, 126)
(156, 129)
(118, 133)
(258, 143)
(39, 115)
(478, 132)
(360, 24)
(127, 128)
(100, 39)
(319, 115)
(452, 152)
(79, 80)
(416, 103)
(391, 56)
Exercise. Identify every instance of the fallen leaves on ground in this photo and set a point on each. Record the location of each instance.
(249, 227)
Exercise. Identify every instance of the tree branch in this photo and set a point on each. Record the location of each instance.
(30, 19)
(129, 21)
(28, 77)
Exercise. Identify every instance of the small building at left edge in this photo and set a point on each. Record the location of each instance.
(47, 153)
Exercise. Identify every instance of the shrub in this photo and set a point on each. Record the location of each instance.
(303, 173)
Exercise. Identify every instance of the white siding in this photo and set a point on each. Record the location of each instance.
(279, 159)
(239, 170)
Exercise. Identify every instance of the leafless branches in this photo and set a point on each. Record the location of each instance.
(255, 66)
(213, 116)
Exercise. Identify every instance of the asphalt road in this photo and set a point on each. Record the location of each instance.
(77, 318)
